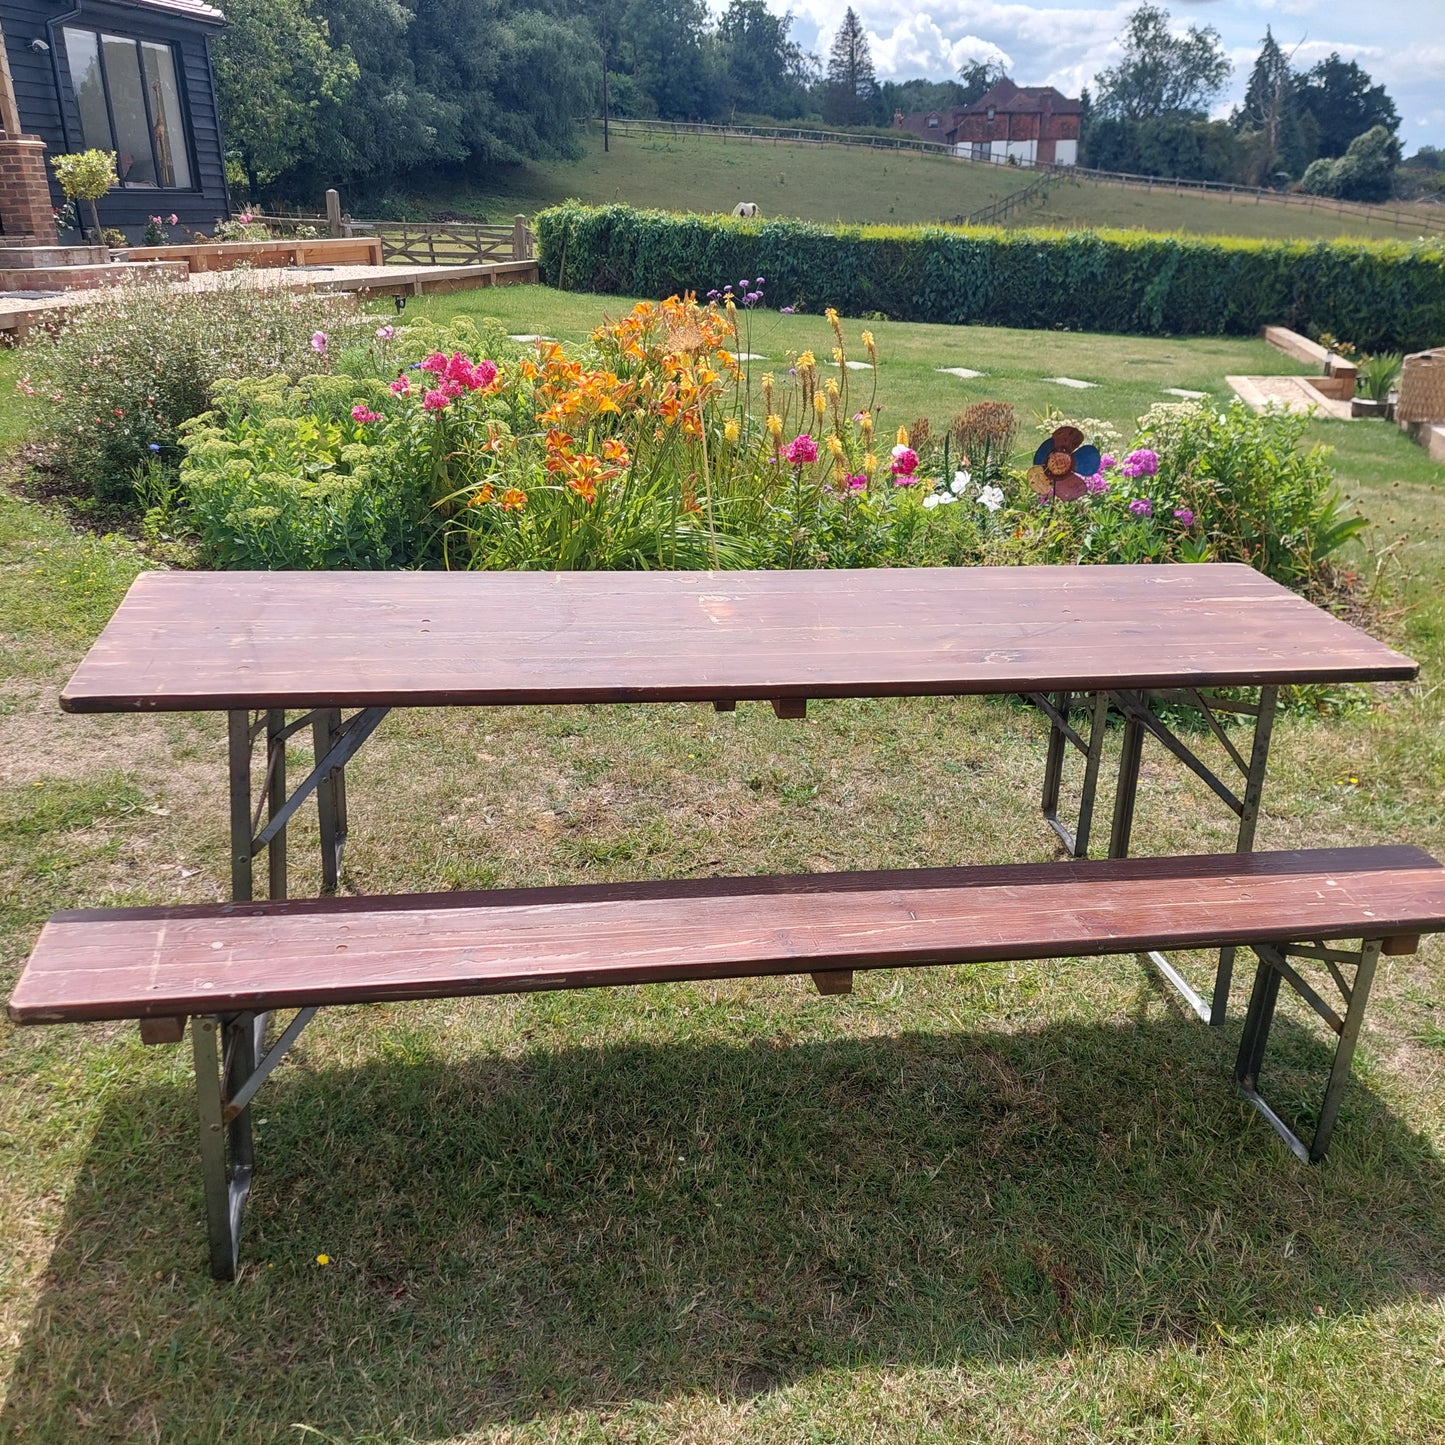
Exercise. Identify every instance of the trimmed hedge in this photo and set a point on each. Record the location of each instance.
(1377, 294)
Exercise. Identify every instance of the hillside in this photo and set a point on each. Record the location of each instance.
(829, 183)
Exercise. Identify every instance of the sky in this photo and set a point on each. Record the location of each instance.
(1064, 43)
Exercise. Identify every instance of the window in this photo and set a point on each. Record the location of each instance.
(933, 122)
(129, 99)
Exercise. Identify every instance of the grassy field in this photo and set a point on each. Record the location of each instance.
(824, 183)
(1018, 1203)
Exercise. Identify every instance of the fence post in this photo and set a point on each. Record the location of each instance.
(520, 250)
(333, 212)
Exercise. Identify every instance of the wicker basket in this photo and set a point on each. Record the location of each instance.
(1422, 387)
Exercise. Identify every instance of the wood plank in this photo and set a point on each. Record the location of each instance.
(197, 640)
(165, 962)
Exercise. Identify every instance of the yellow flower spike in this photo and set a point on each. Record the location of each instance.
(775, 427)
(832, 387)
(870, 463)
(866, 425)
(903, 436)
(838, 355)
(731, 429)
(868, 343)
(836, 448)
(807, 362)
(820, 405)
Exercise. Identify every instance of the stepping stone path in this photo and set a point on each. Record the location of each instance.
(751, 356)
(1187, 395)
(857, 365)
(1072, 381)
(963, 372)
(529, 336)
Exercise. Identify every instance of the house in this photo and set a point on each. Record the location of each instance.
(1018, 124)
(128, 76)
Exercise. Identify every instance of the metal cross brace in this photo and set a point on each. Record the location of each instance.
(232, 1063)
(1274, 966)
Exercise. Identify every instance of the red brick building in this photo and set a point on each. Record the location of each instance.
(1025, 124)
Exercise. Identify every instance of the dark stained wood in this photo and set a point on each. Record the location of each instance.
(833, 981)
(198, 640)
(162, 1030)
(149, 962)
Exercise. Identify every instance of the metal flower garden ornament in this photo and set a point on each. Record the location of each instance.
(1061, 464)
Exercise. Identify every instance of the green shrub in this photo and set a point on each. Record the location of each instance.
(1384, 294)
(112, 388)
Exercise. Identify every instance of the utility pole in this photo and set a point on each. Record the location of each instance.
(605, 145)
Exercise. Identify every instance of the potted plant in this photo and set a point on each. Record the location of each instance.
(1377, 378)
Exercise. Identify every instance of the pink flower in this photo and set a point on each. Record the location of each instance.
(801, 451)
(1184, 516)
(905, 463)
(244, 218)
(1098, 484)
(436, 401)
(318, 342)
(401, 387)
(385, 333)
(1142, 507)
(858, 483)
(363, 413)
(436, 363)
(173, 219)
(484, 374)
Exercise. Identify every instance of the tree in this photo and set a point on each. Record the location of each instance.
(1344, 103)
(1162, 74)
(1366, 171)
(851, 88)
(764, 72)
(979, 77)
(1275, 135)
(276, 69)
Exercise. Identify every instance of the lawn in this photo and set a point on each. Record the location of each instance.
(823, 182)
(1019, 1203)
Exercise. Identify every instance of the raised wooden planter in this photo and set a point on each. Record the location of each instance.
(227, 255)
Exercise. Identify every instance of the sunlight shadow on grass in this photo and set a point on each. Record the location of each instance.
(567, 1228)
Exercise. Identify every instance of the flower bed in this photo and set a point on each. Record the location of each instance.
(655, 447)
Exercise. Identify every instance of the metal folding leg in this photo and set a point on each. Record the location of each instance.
(1062, 735)
(335, 743)
(1139, 720)
(1275, 967)
(231, 1064)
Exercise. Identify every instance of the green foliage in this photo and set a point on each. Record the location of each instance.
(279, 475)
(1343, 103)
(1379, 373)
(85, 175)
(112, 388)
(850, 88)
(1366, 171)
(1384, 294)
(1161, 73)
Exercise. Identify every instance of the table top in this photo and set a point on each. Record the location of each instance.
(222, 640)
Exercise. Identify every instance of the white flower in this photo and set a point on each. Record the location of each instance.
(932, 500)
(960, 483)
(991, 497)
(945, 498)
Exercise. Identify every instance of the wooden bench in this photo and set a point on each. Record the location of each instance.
(227, 966)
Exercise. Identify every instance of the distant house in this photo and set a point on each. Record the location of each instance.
(1025, 124)
(129, 76)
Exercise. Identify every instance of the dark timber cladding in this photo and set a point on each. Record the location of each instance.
(49, 109)
(158, 962)
(195, 640)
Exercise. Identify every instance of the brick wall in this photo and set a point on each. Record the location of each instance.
(25, 205)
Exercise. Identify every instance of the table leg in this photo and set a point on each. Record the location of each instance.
(242, 852)
(1061, 735)
(1244, 841)
(276, 799)
(330, 797)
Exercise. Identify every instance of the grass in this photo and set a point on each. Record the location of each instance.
(1018, 1203)
(823, 183)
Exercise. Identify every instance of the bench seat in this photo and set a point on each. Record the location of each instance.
(138, 963)
(228, 966)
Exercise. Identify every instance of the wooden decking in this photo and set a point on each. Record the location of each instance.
(21, 314)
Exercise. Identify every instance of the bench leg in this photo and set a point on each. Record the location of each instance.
(1274, 968)
(225, 1053)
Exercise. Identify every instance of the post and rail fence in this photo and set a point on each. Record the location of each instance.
(418, 243)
